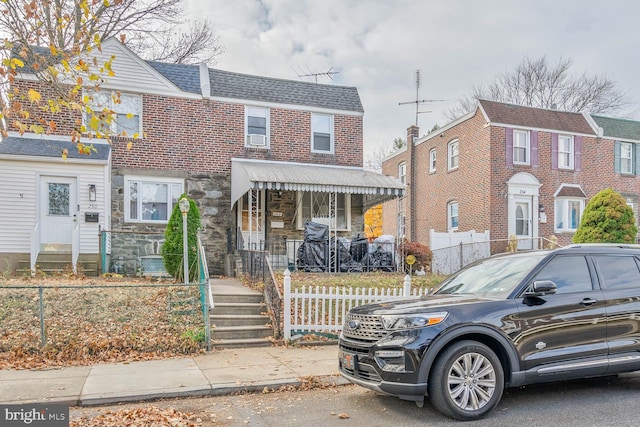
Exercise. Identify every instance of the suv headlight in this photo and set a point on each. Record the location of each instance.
(409, 321)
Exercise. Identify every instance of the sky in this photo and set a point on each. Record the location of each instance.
(378, 45)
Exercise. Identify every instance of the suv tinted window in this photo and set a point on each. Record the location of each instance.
(618, 272)
(569, 273)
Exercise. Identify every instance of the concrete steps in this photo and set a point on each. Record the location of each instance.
(239, 320)
(51, 264)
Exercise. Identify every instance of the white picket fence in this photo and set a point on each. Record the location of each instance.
(322, 309)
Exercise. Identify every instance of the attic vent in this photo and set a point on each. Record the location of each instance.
(256, 140)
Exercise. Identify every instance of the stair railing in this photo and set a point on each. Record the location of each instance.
(35, 248)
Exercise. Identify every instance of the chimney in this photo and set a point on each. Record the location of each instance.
(413, 132)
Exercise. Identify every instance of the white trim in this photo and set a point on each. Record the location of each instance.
(527, 147)
(65, 138)
(450, 156)
(267, 118)
(445, 128)
(450, 216)
(433, 159)
(312, 194)
(147, 179)
(565, 132)
(572, 152)
(332, 131)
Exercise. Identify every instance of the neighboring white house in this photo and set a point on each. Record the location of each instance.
(49, 204)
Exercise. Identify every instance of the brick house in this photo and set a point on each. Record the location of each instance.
(512, 170)
(259, 155)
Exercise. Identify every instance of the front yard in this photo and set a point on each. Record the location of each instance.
(95, 320)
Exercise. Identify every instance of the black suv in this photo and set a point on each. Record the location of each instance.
(505, 321)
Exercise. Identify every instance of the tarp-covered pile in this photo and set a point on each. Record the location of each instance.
(315, 252)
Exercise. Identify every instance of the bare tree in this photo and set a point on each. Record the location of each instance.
(146, 26)
(537, 83)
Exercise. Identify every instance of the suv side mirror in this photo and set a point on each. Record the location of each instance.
(540, 288)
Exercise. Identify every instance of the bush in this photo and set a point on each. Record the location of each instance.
(172, 253)
(422, 253)
(607, 219)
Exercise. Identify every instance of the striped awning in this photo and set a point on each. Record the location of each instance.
(259, 174)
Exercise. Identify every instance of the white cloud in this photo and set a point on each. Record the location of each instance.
(377, 45)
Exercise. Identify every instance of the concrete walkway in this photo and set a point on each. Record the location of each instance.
(215, 373)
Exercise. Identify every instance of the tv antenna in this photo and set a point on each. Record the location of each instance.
(419, 101)
(328, 74)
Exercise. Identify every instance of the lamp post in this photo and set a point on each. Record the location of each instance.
(184, 208)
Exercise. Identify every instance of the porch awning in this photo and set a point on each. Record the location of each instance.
(259, 174)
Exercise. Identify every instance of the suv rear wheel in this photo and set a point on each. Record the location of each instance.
(467, 381)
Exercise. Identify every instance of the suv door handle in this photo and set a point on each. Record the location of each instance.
(588, 301)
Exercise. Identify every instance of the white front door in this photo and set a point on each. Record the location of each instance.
(58, 212)
(523, 216)
(251, 219)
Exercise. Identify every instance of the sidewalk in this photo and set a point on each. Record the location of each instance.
(215, 373)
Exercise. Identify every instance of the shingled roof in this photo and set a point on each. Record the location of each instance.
(530, 117)
(18, 146)
(618, 128)
(246, 87)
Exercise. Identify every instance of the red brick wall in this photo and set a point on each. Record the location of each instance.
(480, 184)
(468, 184)
(202, 136)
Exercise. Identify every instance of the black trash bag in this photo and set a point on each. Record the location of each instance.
(358, 248)
(378, 260)
(315, 232)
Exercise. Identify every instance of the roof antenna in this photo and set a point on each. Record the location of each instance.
(328, 74)
(419, 101)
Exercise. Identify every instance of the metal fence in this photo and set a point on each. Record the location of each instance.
(99, 322)
(56, 320)
(344, 257)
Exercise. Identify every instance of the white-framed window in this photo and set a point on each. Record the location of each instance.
(402, 172)
(521, 147)
(565, 152)
(452, 156)
(432, 160)
(626, 157)
(256, 126)
(322, 133)
(127, 110)
(568, 212)
(150, 199)
(452, 216)
(316, 207)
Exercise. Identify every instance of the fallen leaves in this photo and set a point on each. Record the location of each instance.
(148, 416)
(87, 322)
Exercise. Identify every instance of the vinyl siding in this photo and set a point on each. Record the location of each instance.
(19, 201)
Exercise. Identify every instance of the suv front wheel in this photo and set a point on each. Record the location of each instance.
(467, 381)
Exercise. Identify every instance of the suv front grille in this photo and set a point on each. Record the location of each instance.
(362, 327)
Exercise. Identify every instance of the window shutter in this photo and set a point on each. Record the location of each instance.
(509, 145)
(577, 161)
(554, 151)
(616, 151)
(637, 158)
(534, 149)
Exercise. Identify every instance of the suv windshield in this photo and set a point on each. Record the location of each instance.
(496, 277)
